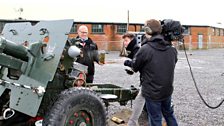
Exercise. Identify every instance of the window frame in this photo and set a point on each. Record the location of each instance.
(96, 30)
(142, 28)
(74, 28)
(217, 32)
(213, 31)
(187, 30)
(121, 30)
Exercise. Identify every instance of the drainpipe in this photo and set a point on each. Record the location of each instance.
(190, 42)
(209, 41)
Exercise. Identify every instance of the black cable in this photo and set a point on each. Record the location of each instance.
(195, 84)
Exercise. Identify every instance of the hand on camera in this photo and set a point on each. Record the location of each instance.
(129, 71)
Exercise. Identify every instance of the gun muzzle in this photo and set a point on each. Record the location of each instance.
(13, 49)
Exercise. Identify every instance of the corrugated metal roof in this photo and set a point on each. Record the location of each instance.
(203, 24)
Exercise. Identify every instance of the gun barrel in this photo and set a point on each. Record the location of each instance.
(13, 49)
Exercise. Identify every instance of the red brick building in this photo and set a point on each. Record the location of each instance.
(108, 35)
(204, 37)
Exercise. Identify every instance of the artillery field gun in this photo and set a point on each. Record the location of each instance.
(38, 79)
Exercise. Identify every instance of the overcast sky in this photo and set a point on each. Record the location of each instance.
(200, 12)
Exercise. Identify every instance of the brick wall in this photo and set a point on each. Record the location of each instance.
(210, 39)
(110, 39)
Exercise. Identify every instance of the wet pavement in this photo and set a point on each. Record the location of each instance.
(208, 69)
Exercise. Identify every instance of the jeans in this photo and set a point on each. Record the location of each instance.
(156, 109)
(138, 105)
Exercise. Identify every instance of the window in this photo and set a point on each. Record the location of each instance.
(97, 28)
(74, 28)
(220, 32)
(213, 31)
(142, 28)
(186, 30)
(217, 32)
(121, 29)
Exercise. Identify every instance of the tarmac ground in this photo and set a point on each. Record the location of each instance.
(208, 69)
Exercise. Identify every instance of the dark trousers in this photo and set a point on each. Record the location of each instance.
(156, 109)
(89, 78)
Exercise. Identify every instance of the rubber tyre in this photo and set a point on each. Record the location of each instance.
(73, 102)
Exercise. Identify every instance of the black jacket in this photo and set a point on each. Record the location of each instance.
(156, 61)
(90, 54)
(132, 48)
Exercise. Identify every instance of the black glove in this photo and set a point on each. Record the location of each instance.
(128, 63)
(129, 71)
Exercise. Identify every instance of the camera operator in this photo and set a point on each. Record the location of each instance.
(156, 61)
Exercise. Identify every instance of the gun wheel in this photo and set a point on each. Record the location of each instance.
(77, 107)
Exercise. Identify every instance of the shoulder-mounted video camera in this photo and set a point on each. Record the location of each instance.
(172, 30)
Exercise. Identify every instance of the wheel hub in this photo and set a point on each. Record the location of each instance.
(80, 118)
(82, 124)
